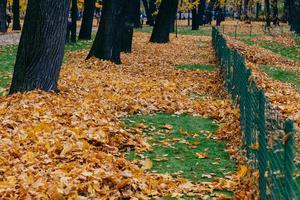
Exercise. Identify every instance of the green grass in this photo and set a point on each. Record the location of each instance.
(197, 67)
(174, 152)
(8, 56)
(282, 75)
(290, 52)
(182, 30)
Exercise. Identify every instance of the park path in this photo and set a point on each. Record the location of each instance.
(14, 37)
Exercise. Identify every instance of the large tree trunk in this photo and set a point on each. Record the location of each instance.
(74, 16)
(150, 19)
(16, 13)
(40, 56)
(167, 12)
(127, 27)
(267, 11)
(275, 18)
(201, 9)
(136, 13)
(152, 8)
(3, 27)
(195, 24)
(87, 20)
(295, 15)
(107, 43)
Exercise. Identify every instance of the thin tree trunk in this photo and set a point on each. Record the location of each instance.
(74, 16)
(128, 24)
(275, 18)
(245, 10)
(107, 44)
(87, 20)
(16, 15)
(267, 11)
(210, 8)
(40, 56)
(201, 9)
(150, 19)
(3, 26)
(195, 24)
(167, 12)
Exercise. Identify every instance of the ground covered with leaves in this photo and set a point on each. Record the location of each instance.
(77, 144)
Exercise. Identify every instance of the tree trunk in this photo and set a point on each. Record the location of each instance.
(153, 9)
(195, 24)
(137, 13)
(87, 20)
(74, 16)
(275, 18)
(107, 43)
(150, 19)
(3, 26)
(267, 11)
(210, 8)
(16, 15)
(295, 15)
(40, 56)
(167, 12)
(128, 24)
(245, 10)
(201, 9)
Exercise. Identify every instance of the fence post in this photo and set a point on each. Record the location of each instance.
(262, 151)
(289, 159)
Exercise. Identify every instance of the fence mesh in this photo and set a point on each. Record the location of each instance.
(268, 138)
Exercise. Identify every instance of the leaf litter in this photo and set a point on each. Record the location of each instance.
(71, 145)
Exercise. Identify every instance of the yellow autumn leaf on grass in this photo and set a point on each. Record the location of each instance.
(146, 164)
(202, 155)
(167, 126)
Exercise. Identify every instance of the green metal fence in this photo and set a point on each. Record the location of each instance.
(268, 138)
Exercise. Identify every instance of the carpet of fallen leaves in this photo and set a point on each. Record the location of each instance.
(71, 145)
(284, 96)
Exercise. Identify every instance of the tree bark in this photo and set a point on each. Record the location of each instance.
(167, 12)
(267, 11)
(107, 44)
(16, 15)
(195, 24)
(41, 49)
(201, 9)
(210, 8)
(275, 18)
(137, 13)
(127, 27)
(245, 10)
(3, 27)
(150, 19)
(87, 20)
(74, 16)
(153, 9)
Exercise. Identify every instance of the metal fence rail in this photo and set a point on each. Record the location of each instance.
(268, 138)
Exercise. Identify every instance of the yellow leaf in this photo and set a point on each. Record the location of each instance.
(202, 155)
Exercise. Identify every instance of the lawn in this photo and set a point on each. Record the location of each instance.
(8, 56)
(282, 75)
(182, 145)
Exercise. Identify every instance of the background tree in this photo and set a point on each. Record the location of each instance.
(195, 24)
(167, 12)
(40, 56)
(87, 20)
(127, 26)
(16, 15)
(201, 10)
(267, 11)
(136, 13)
(107, 44)
(245, 9)
(150, 19)
(74, 16)
(275, 18)
(3, 27)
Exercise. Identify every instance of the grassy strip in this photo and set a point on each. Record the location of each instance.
(8, 56)
(182, 146)
(197, 67)
(182, 30)
(280, 74)
(290, 52)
